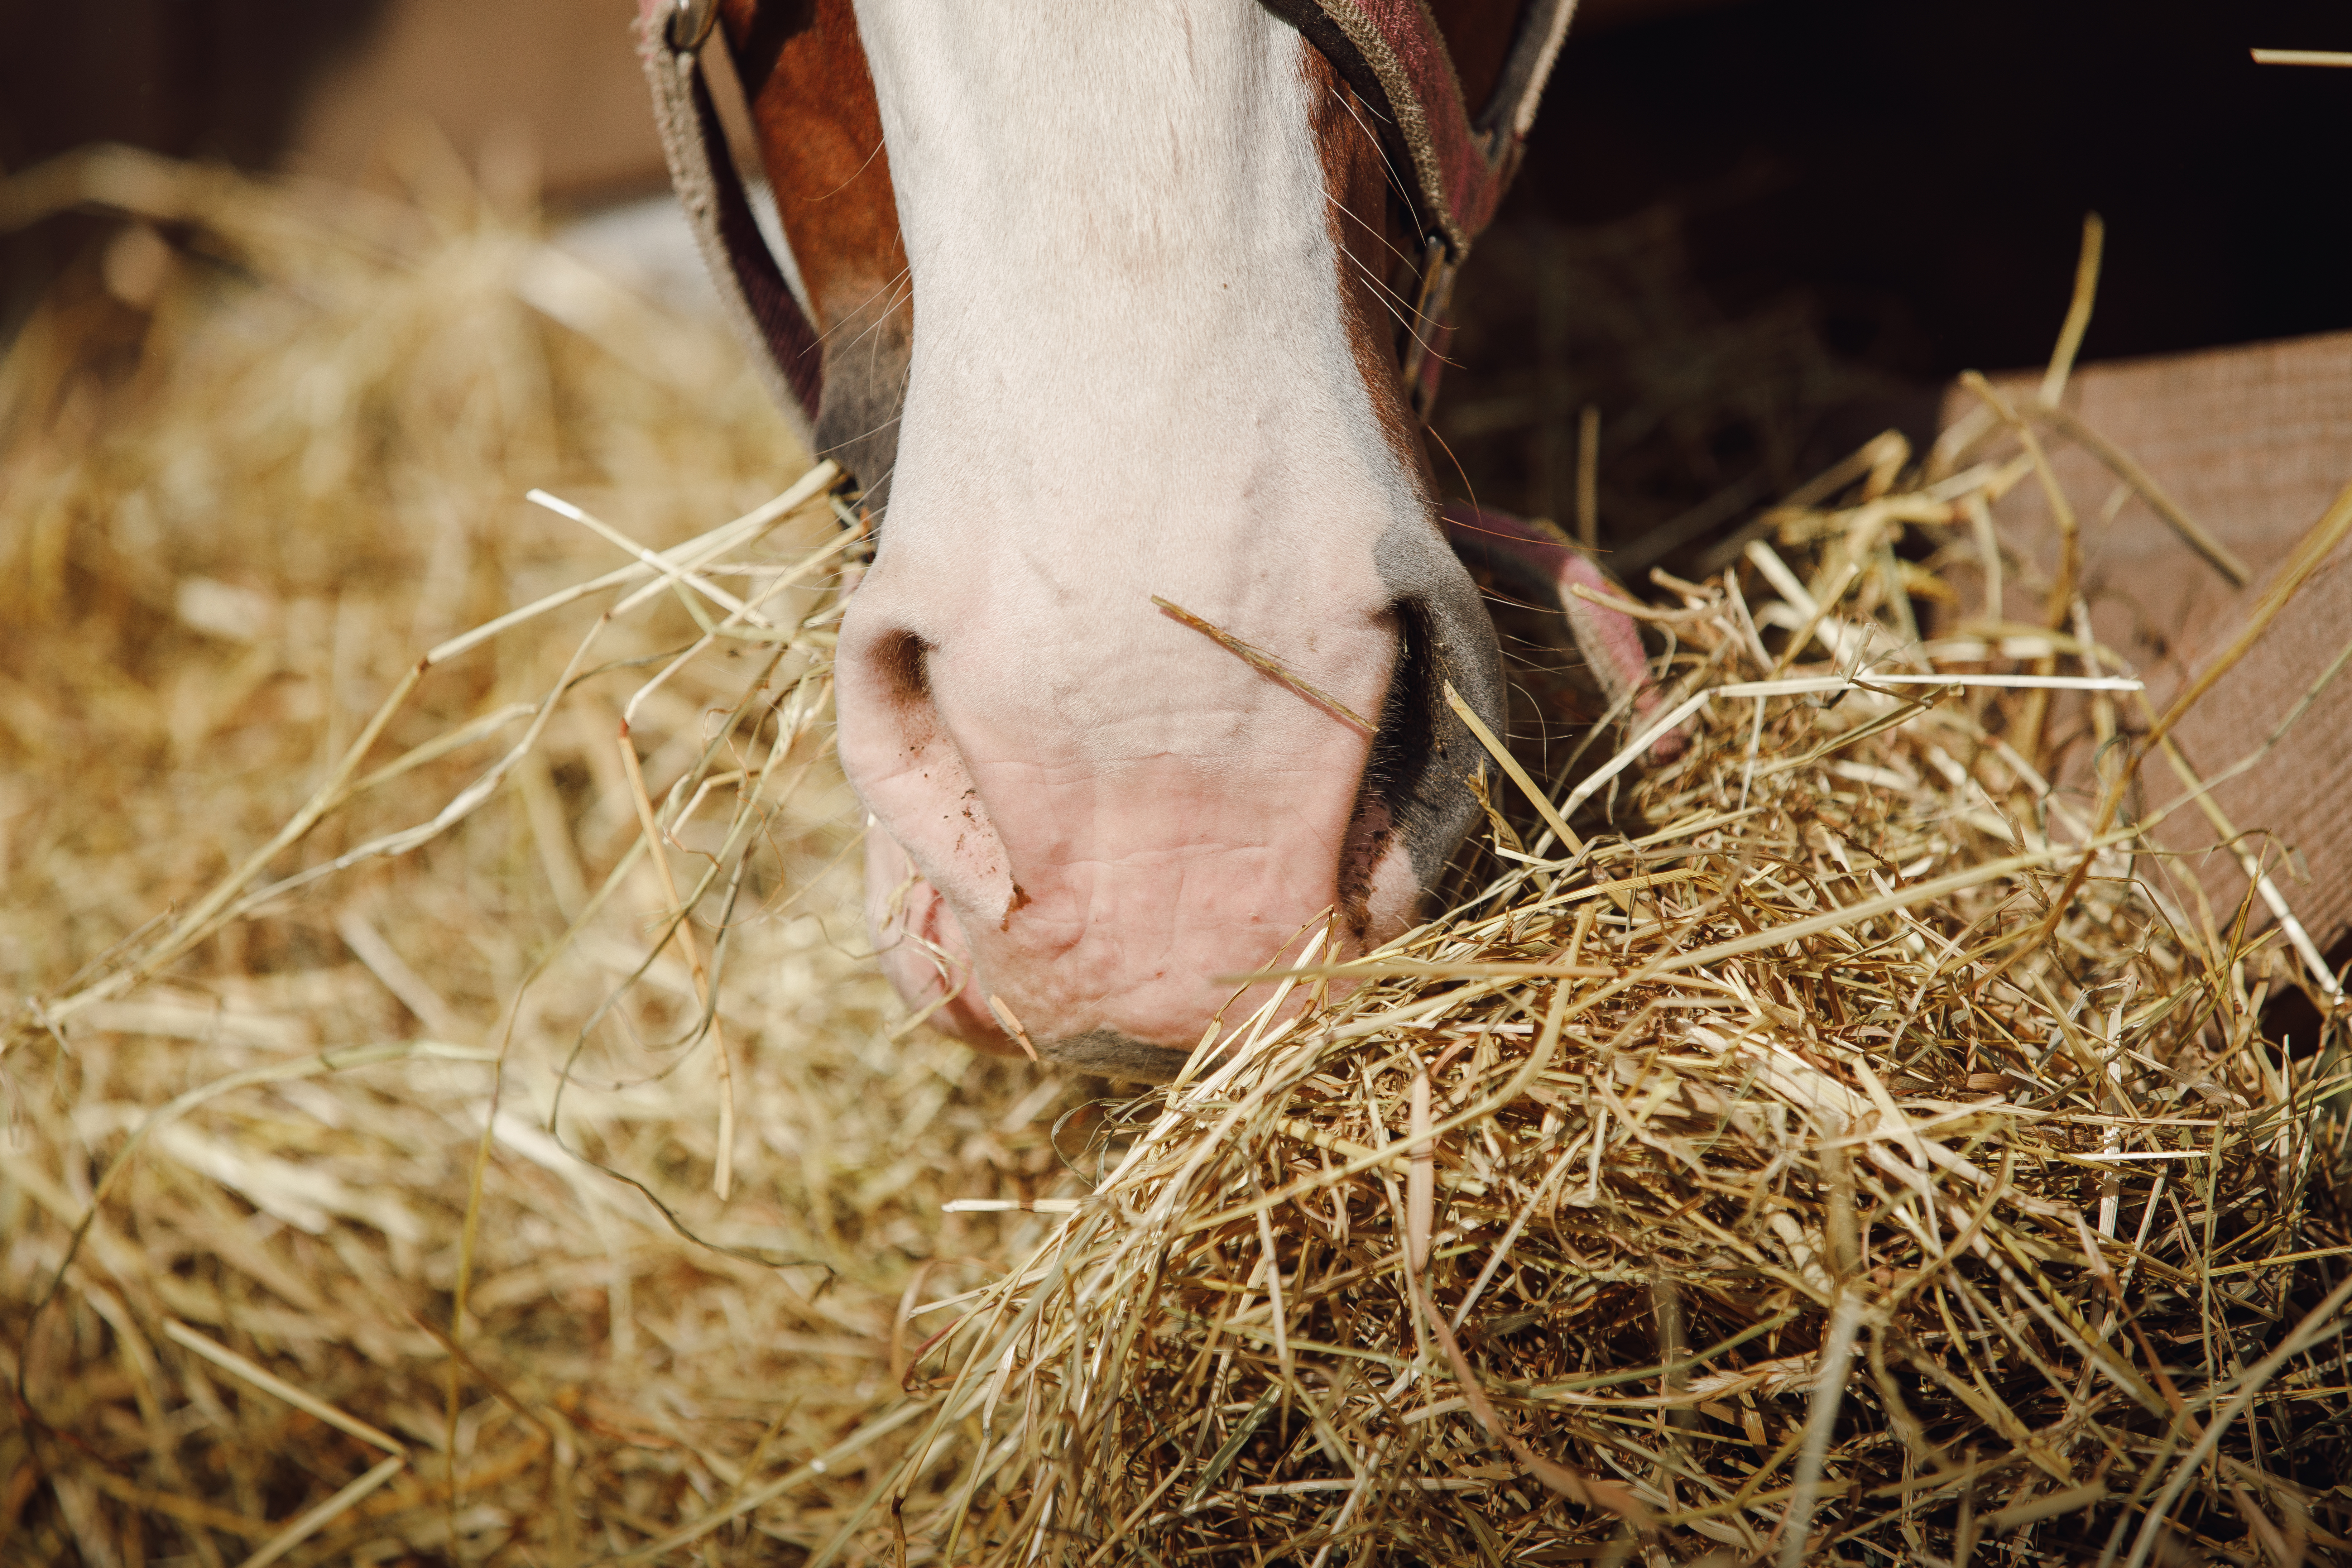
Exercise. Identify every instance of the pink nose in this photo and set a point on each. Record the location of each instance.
(1101, 834)
(1118, 961)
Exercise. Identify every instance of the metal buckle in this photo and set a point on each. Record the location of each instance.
(1425, 329)
(691, 22)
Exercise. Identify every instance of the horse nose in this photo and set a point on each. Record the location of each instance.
(1099, 832)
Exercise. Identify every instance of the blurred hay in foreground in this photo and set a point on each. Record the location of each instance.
(1836, 1145)
(260, 456)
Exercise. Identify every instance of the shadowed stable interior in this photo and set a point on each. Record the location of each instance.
(1850, 200)
(1755, 235)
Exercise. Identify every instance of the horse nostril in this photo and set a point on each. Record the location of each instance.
(1371, 832)
(887, 677)
(903, 661)
(1404, 745)
(1416, 805)
(904, 759)
(1378, 826)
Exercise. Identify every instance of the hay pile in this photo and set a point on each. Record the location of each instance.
(1859, 1152)
(1836, 1144)
(1751, 1197)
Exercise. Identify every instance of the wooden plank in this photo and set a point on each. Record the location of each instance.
(2254, 442)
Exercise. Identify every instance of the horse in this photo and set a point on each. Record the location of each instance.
(1125, 319)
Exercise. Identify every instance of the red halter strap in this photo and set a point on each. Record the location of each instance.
(1391, 53)
(1452, 167)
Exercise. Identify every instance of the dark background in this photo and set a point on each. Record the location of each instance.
(1924, 167)
(1757, 234)
(208, 79)
(1752, 233)
(212, 77)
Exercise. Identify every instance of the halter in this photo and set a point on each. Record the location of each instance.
(1452, 168)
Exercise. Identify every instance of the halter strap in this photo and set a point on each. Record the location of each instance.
(754, 294)
(1453, 168)
(1392, 53)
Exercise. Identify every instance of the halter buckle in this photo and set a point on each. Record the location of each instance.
(691, 22)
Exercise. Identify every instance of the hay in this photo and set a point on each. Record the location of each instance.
(252, 1068)
(1833, 1145)
(1773, 1178)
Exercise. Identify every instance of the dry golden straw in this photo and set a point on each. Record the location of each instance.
(440, 1131)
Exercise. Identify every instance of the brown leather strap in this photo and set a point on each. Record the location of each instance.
(753, 291)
